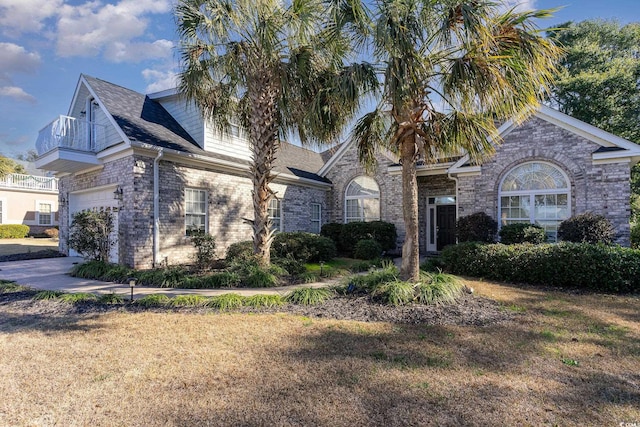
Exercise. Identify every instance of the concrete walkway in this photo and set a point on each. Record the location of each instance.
(52, 274)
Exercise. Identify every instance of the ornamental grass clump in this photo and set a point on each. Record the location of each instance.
(261, 300)
(153, 300)
(111, 298)
(78, 298)
(189, 301)
(395, 292)
(47, 295)
(226, 302)
(308, 296)
(438, 288)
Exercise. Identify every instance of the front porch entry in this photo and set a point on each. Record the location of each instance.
(441, 222)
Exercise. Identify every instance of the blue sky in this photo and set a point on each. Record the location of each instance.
(46, 44)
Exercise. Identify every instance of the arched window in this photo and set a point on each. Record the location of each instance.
(362, 200)
(537, 193)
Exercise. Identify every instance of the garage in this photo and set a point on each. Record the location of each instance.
(99, 199)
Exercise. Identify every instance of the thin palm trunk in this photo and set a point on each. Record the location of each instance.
(410, 268)
(264, 145)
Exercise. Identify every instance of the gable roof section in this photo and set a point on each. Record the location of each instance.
(612, 147)
(332, 155)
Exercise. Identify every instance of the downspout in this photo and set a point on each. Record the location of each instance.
(156, 207)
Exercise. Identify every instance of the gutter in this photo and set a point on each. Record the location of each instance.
(156, 207)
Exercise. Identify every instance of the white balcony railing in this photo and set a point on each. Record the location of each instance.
(69, 132)
(29, 182)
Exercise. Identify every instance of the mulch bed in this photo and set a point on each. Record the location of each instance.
(469, 310)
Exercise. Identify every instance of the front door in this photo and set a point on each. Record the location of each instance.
(446, 225)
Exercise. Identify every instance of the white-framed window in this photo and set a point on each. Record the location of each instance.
(195, 210)
(275, 214)
(234, 130)
(537, 193)
(44, 211)
(362, 200)
(316, 217)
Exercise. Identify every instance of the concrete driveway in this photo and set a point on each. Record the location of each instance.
(52, 274)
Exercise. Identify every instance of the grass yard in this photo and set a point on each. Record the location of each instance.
(565, 359)
(26, 245)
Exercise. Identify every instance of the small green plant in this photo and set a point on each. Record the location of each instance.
(308, 296)
(153, 300)
(78, 298)
(111, 298)
(226, 302)
(47, 295)
(189, 301)
(262, 300)
(396, 292)
(255, 276)
(117, 273)
(90, 270)
(222, 279)
(570, 362)
(366, 282)
(205, 248)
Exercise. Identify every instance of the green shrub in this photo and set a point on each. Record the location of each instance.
(13, 231)
(226, 302)
(205, 245)
(222, 279)
(90, 234)
(262, 300)
(240, 251)
(111, 298)
(304, 247)
(395, 292)
(308, 296)
(635, 235)
(522, 233)
(78, 297)
(90, 270)
(117, 273)
(333, 231)
(382, 232)
(477, 227)
(576, 265)
(367, 249)
(438, 288)
(586, 228)
(259, 277)
(432, 264)
(153, 300)
(292, 266)
(47, 295)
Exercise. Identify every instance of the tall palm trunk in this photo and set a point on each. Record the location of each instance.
(263, 132)
(410, 268)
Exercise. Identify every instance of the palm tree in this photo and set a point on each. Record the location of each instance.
(450, 71)
(275, 67)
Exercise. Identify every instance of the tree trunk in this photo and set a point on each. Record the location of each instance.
(410, 269)
(263, 132)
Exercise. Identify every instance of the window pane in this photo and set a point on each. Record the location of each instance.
(274, 212)
(195, 210)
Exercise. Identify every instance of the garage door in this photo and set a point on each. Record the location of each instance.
(97, 199)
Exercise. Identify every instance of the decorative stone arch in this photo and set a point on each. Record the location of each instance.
(535, 191)
(362, 199)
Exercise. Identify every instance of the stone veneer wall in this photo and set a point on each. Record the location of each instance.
(229, 202)
(347, 168)
(601, 188)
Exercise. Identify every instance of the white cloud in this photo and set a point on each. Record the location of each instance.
(93, 28)
(16, 93)
(520, 5)
(136, 52)
(160, 79)
(16, 59)
(26, 16)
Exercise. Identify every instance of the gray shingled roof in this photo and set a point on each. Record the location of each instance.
(145, 120)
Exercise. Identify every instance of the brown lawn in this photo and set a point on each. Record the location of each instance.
(26, 245)
(565, 360)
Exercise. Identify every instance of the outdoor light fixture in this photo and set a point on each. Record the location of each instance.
(63, 201)
(132, 284)
(321, 265)
(117, 195)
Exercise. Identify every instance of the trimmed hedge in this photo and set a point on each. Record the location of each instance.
(477, 227)
(304, 247)
(347, 235)
(576, 265)
(367, 249)
(588, 228)
(522, 233)
(13, 231)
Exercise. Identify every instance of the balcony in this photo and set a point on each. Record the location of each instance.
(29, 182)
(69, 145)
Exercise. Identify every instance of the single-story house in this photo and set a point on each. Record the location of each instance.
(162, 169)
